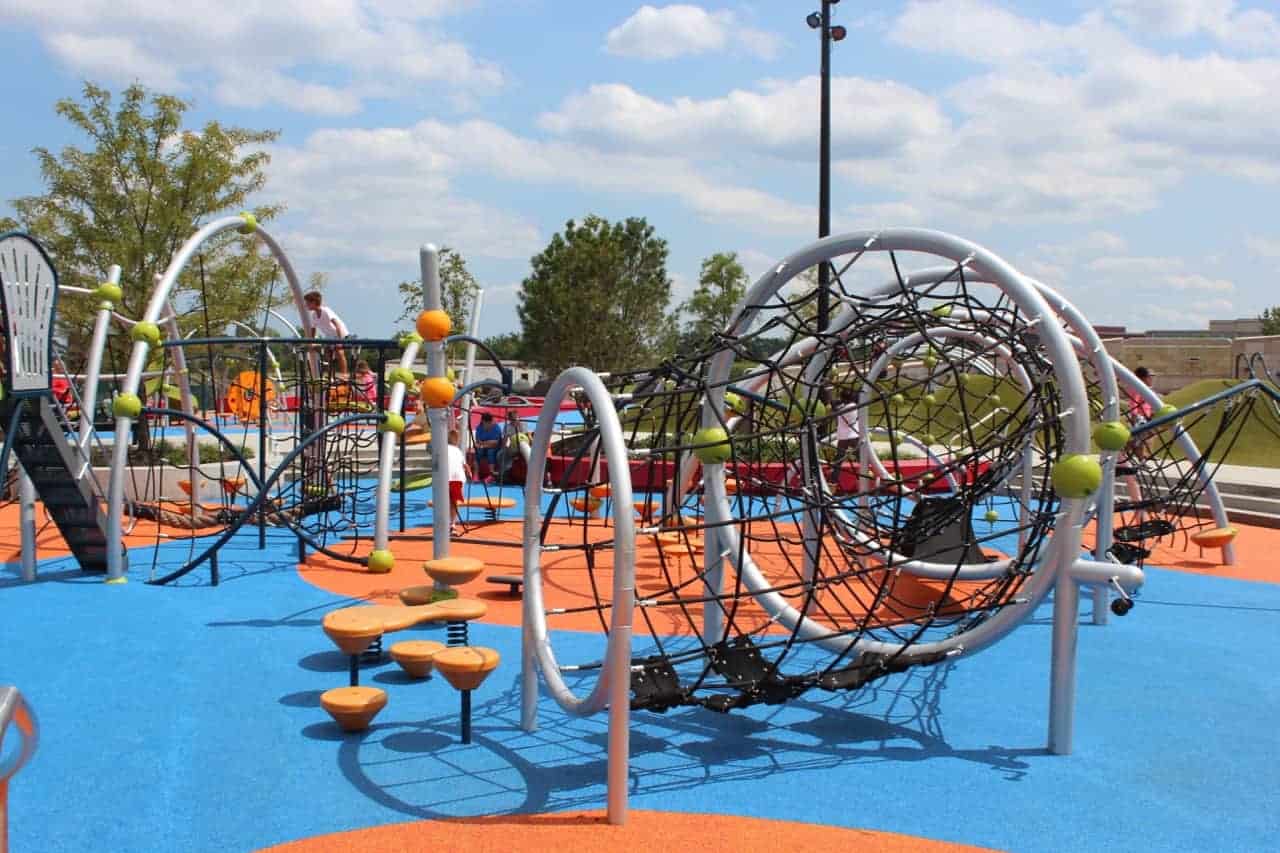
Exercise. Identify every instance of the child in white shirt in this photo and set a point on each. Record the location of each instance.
(459, 473)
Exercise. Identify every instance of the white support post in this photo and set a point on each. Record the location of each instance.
(27, 523)
(468, 368)
(441, 513)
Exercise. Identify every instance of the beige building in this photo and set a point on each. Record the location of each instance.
(1177, 362)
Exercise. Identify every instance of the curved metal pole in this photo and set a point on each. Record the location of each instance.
(15, 711)
(263, 487)
(93, 364)
(613, 688)
(138, 358)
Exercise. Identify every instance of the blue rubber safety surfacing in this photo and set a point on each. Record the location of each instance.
(188, 718)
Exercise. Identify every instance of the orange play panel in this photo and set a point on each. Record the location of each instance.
(587, 832)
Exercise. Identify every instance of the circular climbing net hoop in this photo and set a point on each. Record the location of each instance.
(821, 504)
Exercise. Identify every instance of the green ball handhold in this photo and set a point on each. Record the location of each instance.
(994, 398)
(991, 516)
(109, 292)
(1076, 475)
(942, 311)
(930, 400)
(381, 562)
(1111, 435)
(930, 439)
(451, 375)
(929, 361)
(126, 406)
(410, 338)
(403, 375)
(1165, 410)
(391, 422)
(148, 333)
(898, 400)
(249, 225)
(711, 445)
(965, 379)
(733, 402)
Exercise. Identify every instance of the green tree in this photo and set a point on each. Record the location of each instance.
(458, 288)
(507, 346)
(142, 187)
(1270, 318)
(722, 283)
(597, 295)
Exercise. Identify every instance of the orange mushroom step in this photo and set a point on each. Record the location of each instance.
(466, 668)
(415, 656)
(353, 708)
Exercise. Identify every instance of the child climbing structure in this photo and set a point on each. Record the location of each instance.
(35, 424)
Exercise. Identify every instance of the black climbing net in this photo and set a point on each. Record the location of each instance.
(916, 429)
(280, 414)
(1164, 473)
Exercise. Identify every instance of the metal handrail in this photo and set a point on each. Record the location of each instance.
(14, 709)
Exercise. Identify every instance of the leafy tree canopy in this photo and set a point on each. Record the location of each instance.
(597, 295)
(458, 288)
(141, 187)
(1270, 318)
(721, 285)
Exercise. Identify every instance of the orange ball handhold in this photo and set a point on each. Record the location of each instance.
(437, 392)
(434, 325)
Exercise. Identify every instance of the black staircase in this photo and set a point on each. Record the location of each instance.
(61, 474)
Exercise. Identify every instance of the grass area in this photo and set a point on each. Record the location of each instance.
(1256, 437)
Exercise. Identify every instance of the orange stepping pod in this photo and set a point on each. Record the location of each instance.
(415, 656)
(353, 708)
(585, 504)
(454, 570)
(603, 490)
(466, 668)
(352, 629)
(1217, 537)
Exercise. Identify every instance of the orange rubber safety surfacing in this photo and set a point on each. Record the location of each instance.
(587, 832)
(567, 583)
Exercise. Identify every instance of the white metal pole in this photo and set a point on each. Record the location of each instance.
(93, 368)
(27, 523)
(469, 365)
(441, 513)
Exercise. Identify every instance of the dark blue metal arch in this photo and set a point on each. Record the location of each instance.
(263, 486)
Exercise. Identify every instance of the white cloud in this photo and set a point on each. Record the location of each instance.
(1244, 29)
(261, 53)
(368, 194)
(667, 32)
(870, 118)
(1267, 248)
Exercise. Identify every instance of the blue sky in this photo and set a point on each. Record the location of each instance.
(1122, 150)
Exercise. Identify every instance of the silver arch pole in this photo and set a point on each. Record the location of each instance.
(468, 367)
(613, 688)
(387, 454)
(93, 365)
(138, 359)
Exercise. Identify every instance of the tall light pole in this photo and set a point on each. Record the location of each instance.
(821, 21)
